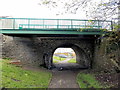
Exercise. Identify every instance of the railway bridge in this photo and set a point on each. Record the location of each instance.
(34, 40)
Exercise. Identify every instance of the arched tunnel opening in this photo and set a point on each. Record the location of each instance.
(68, 57)
(64, 58)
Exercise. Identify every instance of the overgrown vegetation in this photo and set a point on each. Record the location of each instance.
(88, 81)
(112, 50)
(16, 77)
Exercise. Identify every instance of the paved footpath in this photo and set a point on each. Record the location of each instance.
(63, 79)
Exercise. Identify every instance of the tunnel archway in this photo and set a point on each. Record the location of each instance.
(64, 57)
(81, 57)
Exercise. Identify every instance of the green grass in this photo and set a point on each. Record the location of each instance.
(55, 61)
(7, 58)
(16, 77)
(88, 81)
(72, 60)
(59, 58)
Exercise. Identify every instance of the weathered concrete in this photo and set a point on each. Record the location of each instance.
(39, 50)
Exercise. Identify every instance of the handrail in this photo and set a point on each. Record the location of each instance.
(41, 23)
(58, 19)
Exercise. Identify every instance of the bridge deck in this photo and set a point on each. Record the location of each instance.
(53, 26)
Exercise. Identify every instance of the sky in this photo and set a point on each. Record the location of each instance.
(62, 50)
(31, 9)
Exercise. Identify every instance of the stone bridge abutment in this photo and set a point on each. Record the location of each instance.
(36, 51)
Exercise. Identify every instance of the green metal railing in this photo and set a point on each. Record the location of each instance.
(36, 23)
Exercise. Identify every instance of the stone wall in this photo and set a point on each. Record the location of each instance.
(39, 50)
(22, 48)
(0, 46)
(35, 51)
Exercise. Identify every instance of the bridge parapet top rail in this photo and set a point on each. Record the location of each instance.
(36, 23)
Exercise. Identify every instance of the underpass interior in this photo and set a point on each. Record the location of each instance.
(69, 57)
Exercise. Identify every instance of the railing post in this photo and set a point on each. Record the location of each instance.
(98, 24)
(28, 23)
(13, 23)
(85, 23)
(71, 23)
(111, 25)
(57, 23)
(43, 23)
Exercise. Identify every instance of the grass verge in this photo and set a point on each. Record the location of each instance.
(72, 60)
(58, 58)
(16, 77)
(55, 61)
(88, 81)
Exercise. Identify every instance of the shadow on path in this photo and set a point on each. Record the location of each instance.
(64, 75)
(63, 79)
